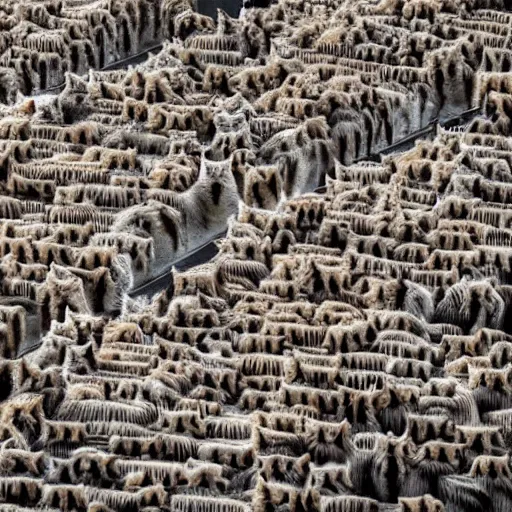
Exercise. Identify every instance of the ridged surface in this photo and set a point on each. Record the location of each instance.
(343, 352)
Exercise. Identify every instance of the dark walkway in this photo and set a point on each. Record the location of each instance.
(209, 7)
(232, 7)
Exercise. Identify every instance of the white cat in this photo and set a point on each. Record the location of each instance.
(181, 222)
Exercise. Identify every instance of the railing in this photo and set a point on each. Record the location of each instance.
(109, 67)
(197, 256)
(431, 128)
(406, 142)
(207, 251)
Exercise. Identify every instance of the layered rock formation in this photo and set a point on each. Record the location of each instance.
(344, 351)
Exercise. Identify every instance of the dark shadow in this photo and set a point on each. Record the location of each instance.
(100, 44)
(43, 75)
(127, 44)
(75, 58)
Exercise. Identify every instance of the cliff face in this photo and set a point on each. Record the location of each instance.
(42, 41)
(345, 350)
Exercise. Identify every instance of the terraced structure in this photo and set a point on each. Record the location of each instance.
(43, 40)
(344, 351)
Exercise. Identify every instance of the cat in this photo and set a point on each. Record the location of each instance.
(181, 222)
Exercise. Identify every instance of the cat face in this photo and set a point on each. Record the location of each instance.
(225, 122)
(218, 175)
(75, 83)
(216, 171)
(263, 187)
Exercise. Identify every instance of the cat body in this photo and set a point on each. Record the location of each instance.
(182, 222)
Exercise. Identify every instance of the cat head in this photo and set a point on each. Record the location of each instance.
(215, 170)
(225, 122)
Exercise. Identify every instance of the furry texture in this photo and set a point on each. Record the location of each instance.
(345, 351)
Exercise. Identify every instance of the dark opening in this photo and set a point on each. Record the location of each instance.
(158, 24)
(43, 75)
(100, 44)
(75, 58)
(89, 52)
(127, 44)
(27, 78)
(4, 95)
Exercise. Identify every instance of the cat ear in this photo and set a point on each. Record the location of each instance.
(273, 49)
(203, 170)
(302, 464)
